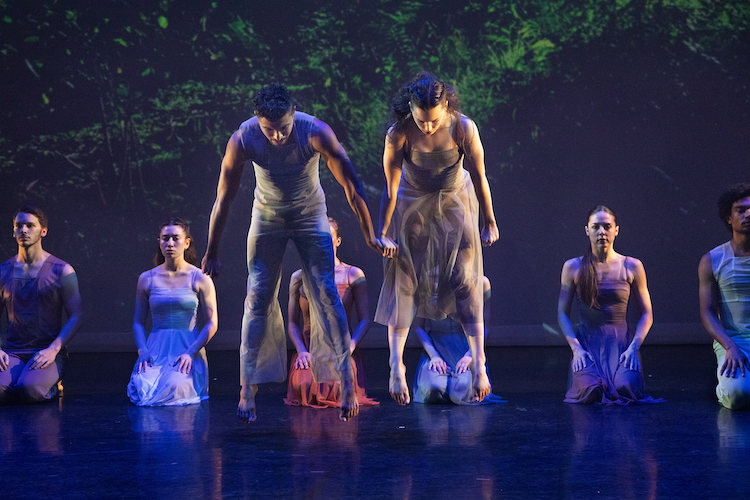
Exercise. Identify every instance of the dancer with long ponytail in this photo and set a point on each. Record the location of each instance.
(606, 366)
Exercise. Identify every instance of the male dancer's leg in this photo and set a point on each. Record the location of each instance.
(329, 330)
(263, 355)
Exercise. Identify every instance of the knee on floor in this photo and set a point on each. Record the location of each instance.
(736, 400)
(29, 393)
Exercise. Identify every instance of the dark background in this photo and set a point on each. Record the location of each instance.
(115, 116)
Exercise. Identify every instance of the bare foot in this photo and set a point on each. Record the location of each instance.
(246, 406)
(349, 403)
(481, 384)
(397, 385)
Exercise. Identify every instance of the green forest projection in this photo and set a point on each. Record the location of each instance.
(116, 113)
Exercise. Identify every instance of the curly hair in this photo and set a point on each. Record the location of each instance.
(272, 102)
(424, 91)
(191, 257)
(728, 198)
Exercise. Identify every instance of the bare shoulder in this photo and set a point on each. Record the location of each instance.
(572, 265)
(67, 269)
(356, 273)
(705, 266)
(201, 279)
(394, 138)
(634, 265)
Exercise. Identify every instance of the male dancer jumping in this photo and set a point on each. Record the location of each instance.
(284, 146)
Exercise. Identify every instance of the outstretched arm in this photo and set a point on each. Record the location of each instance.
(564, 302)
(71, 298)
(629, 358)
(708, 293)
(295, 321)
(207, 302)
(325, 142)
(474, 164)
(362, 304)
(229, 184)
(393, 157)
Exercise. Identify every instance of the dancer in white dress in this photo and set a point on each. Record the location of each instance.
(172, 368)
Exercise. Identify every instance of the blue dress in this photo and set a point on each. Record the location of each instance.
(173, 314)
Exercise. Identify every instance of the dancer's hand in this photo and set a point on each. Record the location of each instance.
(490, 234)
(388, 247)
(144, 360)
(303, 361)
(579, 359)
(4, 360)
(629, 359)
(43, 359)
(463, 364)
(734, 360)
(211, 265)
(352, 346)
(438, 365)
(184, 363)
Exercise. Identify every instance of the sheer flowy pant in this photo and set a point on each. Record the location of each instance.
(263, 354)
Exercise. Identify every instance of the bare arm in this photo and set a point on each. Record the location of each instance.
(71, 298)
(362, 304)
(474, 164)
(139, 321)
(708, 293)
(564, 303)
(4, 358)
(295, 321)
(207, 303)
(630, 357)
(229, 184)
(325, 142)
(393, 157)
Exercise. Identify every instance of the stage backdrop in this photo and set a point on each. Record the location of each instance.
(115, 116)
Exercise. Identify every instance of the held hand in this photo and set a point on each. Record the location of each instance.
(629, 359)
(388, 247)
(144, 360)
(463, 364)
(4, 360)
(303, 361)
(734, 361)
(184, 363)
(438, 365)
(374, 244)
(579, 359)
(43, 359)
(490, 234)
(211, 265)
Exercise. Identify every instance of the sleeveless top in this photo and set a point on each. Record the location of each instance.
(732, 274)
(173, 308)
(614, 293)
(34, 305)
(287, 176)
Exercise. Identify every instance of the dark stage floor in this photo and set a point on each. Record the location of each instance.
(94, 444)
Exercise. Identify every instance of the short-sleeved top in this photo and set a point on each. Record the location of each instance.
(34, 305)
(287, 177)
(732, 274)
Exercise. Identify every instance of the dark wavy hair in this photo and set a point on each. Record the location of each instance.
(32, 210)
(272, 102)
(424, 91)
(588, 286)
(728, 198)
(191, 257)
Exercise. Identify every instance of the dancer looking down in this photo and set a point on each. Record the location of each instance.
(285, 146)
(436, 188)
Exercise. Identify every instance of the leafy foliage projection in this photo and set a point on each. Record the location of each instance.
(123, 108)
